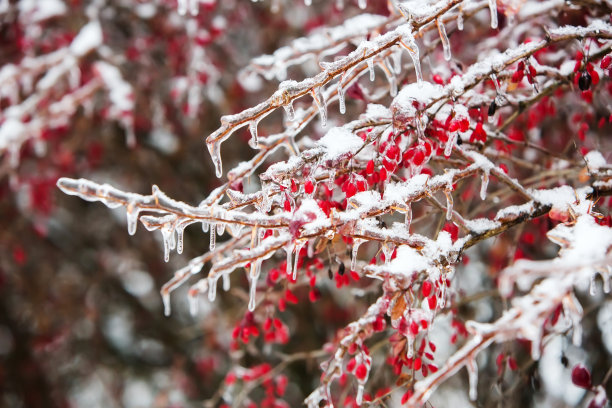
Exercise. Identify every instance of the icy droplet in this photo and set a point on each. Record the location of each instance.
(449, 204)
(289, 110)
(307, 2)
(167, 234)
(356, 243)
(484, 185)
(371, 69)
(472, 370)
(253, 285)
(493, 9)
(397, 62)
(444, 39)
(592, 286)
(319, 100)
(193, 7)
(221, 228)
(362, 4)
(289, 251)
(214, 148)
(132, 217)
(192, 299)
(213, 237)
(340, 4)
(205, 227)
(460, 21)
(166, 301)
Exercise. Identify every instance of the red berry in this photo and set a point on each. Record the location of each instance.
(426, 288)
(308, 187)
(605, 62)
(433, 302)
(419, 157)
(287, 205)
(417, 364)
(581, 376)
(361, 371)
(370, 167)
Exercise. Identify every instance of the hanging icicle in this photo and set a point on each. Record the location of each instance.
(449, 204)
(450, 143)
(289, 111)
(356, 243)
(472, 370)
(254, 136)
(460, 20)
(371, 69)
(213, 237)
(444, 39)
(362, 4)
(493, 9)
(484, 185)
(408, 216)
(214, 148)
(341, 101)
(409, 43)
(132, 217)
(166, 302)
(319, 100)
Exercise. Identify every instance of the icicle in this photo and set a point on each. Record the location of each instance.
(605, 276)
(419, 125)
(449, 204)
(496, 83)
(388, 249)
(299, 244)
(212, 290)
(460, 21)
(390, 74)
(472, 370)
(275, 7)
(182, 7)
(192, 299)
(255, 269)
(362, 4)
(166, 301)
(592, 286)
(307, 2)
(289, 251)
(397, 62)
(317, 95)
(359, 398)
(193, 7)
(448, 149)
(356, 243)
(289, 110)
(371, 69)
(331, 179)
(410, 346)
(444, 39)
(340, 4)
(205, 227)
(484, 185)
(180, 229)
(413, 51)
(408, 216)
(213, 237)
(235, 229)
(493, 9)
(214, 148)
(226, 282)
(132, 217)
(341, 102)
(167, 234)
(254, 137)
(220, 228)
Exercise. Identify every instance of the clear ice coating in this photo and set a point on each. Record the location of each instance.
(299, 244)
(493, 9)
(449, 204)
(388, 248)
(409, 43)
(359, 397)
(484, 185)
(371, 69)
(319, 100)
(444, 40)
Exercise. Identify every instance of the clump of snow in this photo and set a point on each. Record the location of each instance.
(595, 160)
(338, 143)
